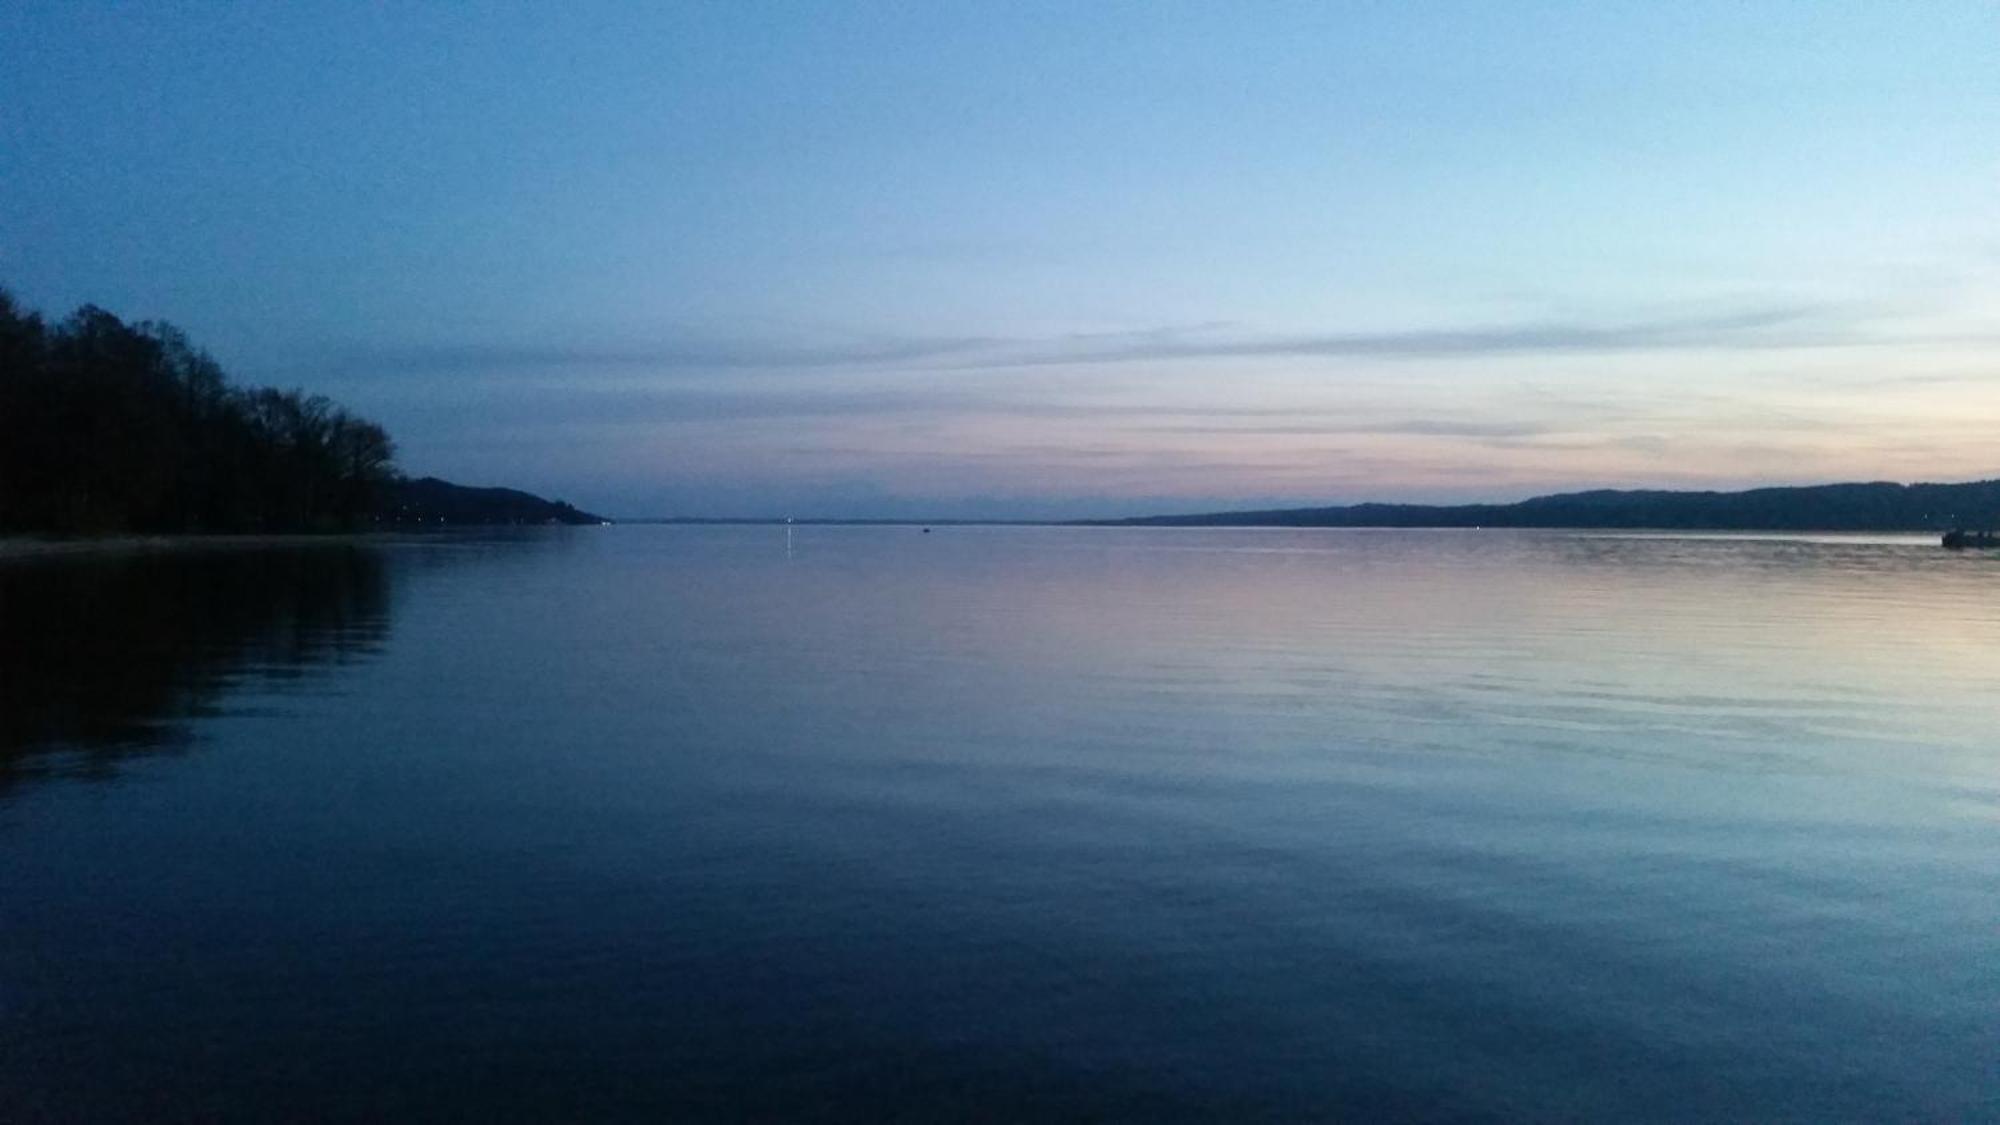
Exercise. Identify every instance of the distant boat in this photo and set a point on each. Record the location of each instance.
(1957, 540)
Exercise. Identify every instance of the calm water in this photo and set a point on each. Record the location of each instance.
(649, 822)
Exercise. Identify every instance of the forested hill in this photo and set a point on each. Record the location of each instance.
(428, 500)
(113, 427)
(108, 426)
(1877, 506)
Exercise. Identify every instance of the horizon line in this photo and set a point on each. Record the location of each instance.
(963, 521)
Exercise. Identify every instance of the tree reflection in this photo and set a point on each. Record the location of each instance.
(109, 656)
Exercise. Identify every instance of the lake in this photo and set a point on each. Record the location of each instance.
(662, 822)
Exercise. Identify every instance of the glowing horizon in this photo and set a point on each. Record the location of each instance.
(1045, 262)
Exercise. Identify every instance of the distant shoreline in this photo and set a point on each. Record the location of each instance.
(21, 548)
(781, 521)
(31, 546)
(1872, 506)
(1143, 525)
(36, 547)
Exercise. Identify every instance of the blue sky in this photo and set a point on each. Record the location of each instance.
(1023, 260)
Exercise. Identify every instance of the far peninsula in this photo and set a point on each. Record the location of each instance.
(1877, 506)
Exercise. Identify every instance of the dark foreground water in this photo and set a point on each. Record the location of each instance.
(670, 823)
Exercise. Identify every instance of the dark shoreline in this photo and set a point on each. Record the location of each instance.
(1874, 506)
(38, 547)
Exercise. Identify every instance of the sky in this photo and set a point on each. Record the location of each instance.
(1020, 260)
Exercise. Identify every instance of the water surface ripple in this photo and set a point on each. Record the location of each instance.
(675, 822)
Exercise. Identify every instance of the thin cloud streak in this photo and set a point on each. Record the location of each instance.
(669, 356)
(673, 406)
(1411, 427)
(1757, 328)
(1761, 328)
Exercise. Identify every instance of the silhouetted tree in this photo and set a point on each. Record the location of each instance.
(108, 426)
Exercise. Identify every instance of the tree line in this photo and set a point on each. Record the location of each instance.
(1872, 506)
(113, 427)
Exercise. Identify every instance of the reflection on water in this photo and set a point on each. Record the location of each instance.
(1028, 824)
(106, 656)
